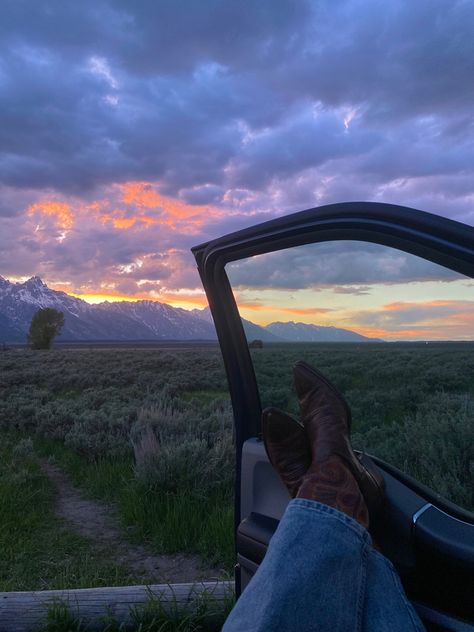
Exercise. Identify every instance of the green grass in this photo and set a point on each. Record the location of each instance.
(182, 522)
(167, 522)
(203, 613)
(150, 429)
(37, 552)
(102, 478)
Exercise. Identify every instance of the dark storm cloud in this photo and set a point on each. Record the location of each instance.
(14, 202)
(397, 59)
(54, 125)
(206, 194)
(307, 140)
(106, 93)
(343, 263)
(164, 37)
(254, 108)
(172, 91)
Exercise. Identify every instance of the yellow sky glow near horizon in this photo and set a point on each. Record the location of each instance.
(188, 303)
(435, 310)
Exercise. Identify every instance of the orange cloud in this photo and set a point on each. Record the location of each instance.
(401, 305)
(61, 211)
(300, 311)
(379, 332)
(463, 317)
(145, 195)
(444, 319)
(309, 311)
(125, 223)
(186, 301)
(129, 206)
(140, 194)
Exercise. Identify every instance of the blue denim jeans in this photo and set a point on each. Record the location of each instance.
(322, 573)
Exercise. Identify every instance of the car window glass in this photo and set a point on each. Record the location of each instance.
(393, 331)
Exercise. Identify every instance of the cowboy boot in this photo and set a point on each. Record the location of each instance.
(329, 482)
(327, 422)
(287, 447)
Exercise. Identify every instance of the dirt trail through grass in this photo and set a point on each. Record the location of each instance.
(100, 523)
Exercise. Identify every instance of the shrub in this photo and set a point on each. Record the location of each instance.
(175, 451)
(96, 399)
(435, 445)
(24, 448)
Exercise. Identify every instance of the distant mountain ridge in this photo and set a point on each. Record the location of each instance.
(140, 320)
(303, 332)
(252, 331)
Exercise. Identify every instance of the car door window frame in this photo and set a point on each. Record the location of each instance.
(434, 238)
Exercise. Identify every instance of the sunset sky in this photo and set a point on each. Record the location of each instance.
(375, 290)
(130, 131)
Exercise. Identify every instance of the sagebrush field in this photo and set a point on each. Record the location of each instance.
(150, 429)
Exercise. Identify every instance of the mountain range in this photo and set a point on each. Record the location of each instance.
(140, 320)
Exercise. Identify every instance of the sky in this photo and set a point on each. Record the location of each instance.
(375, 290)
(131, 131)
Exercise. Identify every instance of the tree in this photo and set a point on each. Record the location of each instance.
(45, 325)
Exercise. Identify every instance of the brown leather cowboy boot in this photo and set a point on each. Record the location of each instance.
(287, 447)
(329, 482)
(327, 420)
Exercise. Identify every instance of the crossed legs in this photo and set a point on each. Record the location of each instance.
(321, 571)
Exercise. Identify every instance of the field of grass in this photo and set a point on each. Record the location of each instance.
(412, 404)
(150, 429)
(36, 551)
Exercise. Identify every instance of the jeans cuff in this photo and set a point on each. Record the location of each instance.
(326, 511)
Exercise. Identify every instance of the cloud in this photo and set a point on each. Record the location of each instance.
(344, 264)
(433, 320)
(61, 211)
(300, 311)
(205, 194)
(308, 139)
(129, 234)
(357, 290)
(238, 102)
(134, 129)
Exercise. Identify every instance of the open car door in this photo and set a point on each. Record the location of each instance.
(355, 250)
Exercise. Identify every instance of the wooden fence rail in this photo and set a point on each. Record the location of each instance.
(27, 611)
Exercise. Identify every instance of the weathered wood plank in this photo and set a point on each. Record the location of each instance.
(25, 611)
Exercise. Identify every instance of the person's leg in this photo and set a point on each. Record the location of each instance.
(386, 605)
(321, 571)
(312, 578)
(322, 574)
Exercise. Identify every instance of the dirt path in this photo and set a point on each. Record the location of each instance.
(100, 523)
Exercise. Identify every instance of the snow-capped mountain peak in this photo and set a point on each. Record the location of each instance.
(139, 320)
(34, 281)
